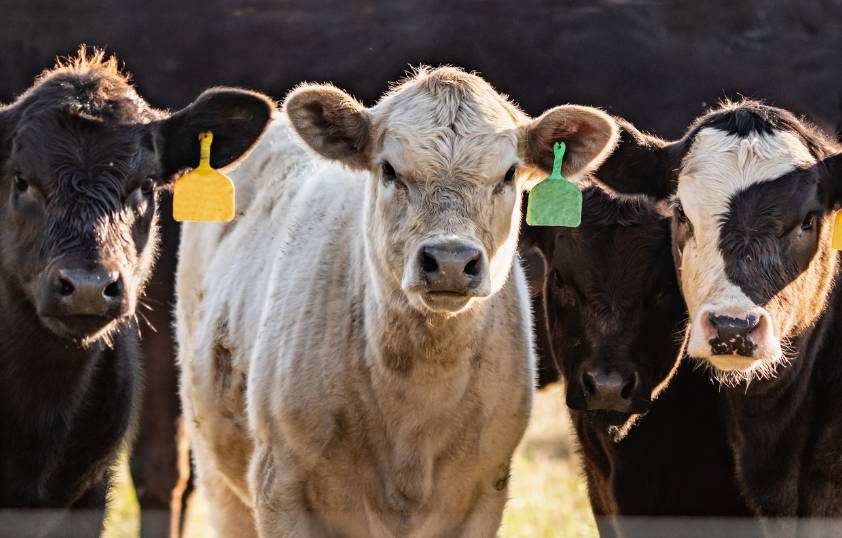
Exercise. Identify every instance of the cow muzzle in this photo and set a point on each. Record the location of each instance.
(612, 389)
(78, 301)
(447, 273)
(733, 338)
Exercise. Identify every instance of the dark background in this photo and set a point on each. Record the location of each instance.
(656, 63)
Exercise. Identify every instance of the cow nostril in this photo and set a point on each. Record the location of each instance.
(472, 268)
(66, 287)
(428, 263)
(588, 384)
(113, 290)
(629, 387)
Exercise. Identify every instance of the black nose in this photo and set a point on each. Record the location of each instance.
(451, 266)
(82, 292)
(607, 389)
(732, 335)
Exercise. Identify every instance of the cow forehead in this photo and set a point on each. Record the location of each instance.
(53, 150)
(442, 153)
(720, 164)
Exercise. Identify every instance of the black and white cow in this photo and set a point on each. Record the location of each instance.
(754, 190)
(83, 159)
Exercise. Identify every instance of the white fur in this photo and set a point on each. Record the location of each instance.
(323, 396)
(333, 438)
(717, 167)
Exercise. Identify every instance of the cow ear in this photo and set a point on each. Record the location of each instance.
(641, 164)
(236, 118)
(7, 121)
(833, 172)
(589, 134)
(331, 122)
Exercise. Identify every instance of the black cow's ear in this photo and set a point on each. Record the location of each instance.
(833, 171)
(331, 122)
(7, 121)
(236, 118)
(641, 164)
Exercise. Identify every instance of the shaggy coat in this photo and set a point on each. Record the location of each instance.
(331, 388)
(82, 158)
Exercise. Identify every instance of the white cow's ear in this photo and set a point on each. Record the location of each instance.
(331, 122)
(589, 133)
(236, 118)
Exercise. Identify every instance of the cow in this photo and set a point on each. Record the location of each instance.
(357, 349)
(754, 189)
(614, 317)
(83, 160)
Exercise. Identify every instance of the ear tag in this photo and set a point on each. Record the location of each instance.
(204, 194)
(837, 231)
(555, 201)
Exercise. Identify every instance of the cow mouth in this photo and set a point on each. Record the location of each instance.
(604, 418)
(446, 301)
(78, 327)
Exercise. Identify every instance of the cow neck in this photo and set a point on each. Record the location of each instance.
(35, 358)
(405, 339)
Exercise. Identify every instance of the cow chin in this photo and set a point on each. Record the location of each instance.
(83, 331)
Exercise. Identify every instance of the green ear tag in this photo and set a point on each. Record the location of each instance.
(555, 201)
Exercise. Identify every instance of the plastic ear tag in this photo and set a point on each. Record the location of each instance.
(555, 201)
(837, 231)
(204, 194)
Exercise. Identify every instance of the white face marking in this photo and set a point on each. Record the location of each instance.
(718, 166)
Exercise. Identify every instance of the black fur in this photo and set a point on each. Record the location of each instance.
(785, 432)
(612, 297)
(81, 159)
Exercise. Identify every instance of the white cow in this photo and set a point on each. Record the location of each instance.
(356, 347)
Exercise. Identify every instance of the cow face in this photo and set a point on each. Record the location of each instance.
(614, 310)
(83, 158)
(752, 199)
(449, 159)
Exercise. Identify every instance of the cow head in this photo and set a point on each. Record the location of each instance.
(753, 196)
(448, 159)
(613, 307)
(82, 160)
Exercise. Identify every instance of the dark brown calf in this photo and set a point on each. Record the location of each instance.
(614, 317)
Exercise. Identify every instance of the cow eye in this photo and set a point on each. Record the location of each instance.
(390, 177)
(680, 214)
(389, 173)
(148, 186)
(508, 180)
(21, 184)
(809, 222)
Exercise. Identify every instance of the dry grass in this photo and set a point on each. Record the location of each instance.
(548, 496)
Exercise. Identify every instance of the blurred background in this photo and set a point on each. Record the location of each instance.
(659, 64)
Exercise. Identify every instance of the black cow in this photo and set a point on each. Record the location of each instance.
(83, 158)
(754, 189)
(615, 315)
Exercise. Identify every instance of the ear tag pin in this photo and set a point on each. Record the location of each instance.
(837, 231)
(203, 194)
(555, 201)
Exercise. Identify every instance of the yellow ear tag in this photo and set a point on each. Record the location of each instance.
(837, 231)
(204, 194)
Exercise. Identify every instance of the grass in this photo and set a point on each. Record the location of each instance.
(547, 492)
